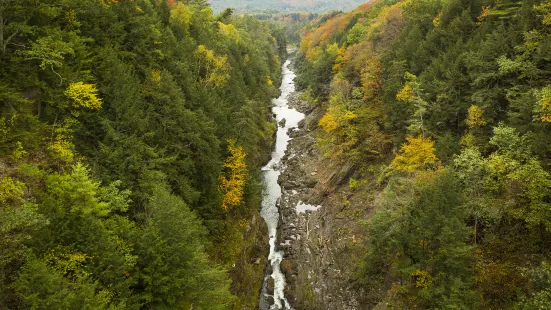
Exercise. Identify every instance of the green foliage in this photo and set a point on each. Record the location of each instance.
(421, 242)
(181, 18)
(472, 76)
(543, 107)
(356, 34)
(43, 287)
(11, 191)
(109, 109)
(175, 269)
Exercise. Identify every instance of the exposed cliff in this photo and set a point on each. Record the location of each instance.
(320, 220)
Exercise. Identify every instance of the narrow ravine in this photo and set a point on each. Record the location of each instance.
(273, 296)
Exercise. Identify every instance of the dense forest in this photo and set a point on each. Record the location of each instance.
(445, 108)
(131, 139)
(132, 135)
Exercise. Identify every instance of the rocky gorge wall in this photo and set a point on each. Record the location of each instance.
(319, 227)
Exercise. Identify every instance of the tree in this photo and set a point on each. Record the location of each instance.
(545, 9)
(233, 182)
(84, 95)
(174, 268)
(418, 241)
(104, 101)
(416, 154)
(543, 106)
(43, 287)
(14, 21)
(475, 117)
(412, 93)
(216, 68)
(181, 18)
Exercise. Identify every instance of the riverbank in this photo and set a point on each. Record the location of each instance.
(319, 227)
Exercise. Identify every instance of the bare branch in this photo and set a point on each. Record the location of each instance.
(60, 77)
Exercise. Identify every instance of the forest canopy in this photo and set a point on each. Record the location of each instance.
(131, 134)
(445, 106)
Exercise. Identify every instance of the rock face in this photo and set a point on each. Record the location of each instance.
(321, 238)
(247, 271)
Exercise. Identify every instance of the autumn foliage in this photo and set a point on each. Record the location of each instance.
(543, 108)
(84, 95)
(463, 221)
(476, 117)
(232, 182)
(416, 154)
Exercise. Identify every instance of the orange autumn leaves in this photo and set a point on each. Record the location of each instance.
(232, 182)
(314, 42)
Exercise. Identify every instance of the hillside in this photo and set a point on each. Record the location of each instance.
(155, 154)
(432, 133)
(284, 5)
(131, 139)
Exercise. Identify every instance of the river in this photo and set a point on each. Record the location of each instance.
(272, 192)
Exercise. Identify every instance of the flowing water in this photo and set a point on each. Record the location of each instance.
(272, 192)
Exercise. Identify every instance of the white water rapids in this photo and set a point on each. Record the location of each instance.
(272, 193)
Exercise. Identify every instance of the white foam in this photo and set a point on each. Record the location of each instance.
(271, 172)
(302, 207)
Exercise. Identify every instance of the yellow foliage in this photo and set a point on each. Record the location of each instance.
(305, 43)
(315, 54)
(335, 118)
(341, 130)
(217, 67)
(422, 278)
(333, 49)
(371, 77)
(416, 154)
(544, 104)
(387, 25)
(232, 183)
(328, 123)
(546, 117)
(405, 94)
(11, 191)
(108, 2)
(229, 31)
(339, 60)
(545, 9)
(68, 264)
(181, 17)
(18, 152)
(4, 128)
(71, 18)
(476, 117)
(436, 20)
(62, 149)
(156, 76)
(468, 140)
(485, 13)
(84, 95)
(60, 144)
(349, 115)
